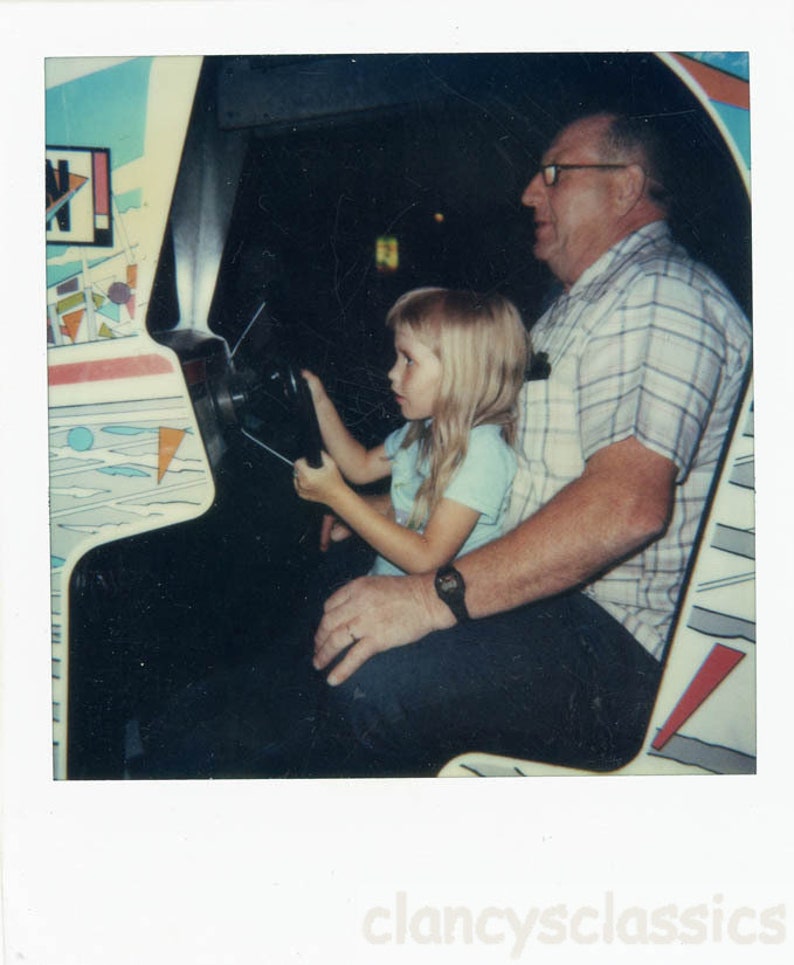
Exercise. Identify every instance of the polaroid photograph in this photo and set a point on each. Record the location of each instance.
(381, 576)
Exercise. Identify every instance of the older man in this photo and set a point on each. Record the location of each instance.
(548, 643)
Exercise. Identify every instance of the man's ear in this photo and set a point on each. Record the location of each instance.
(630, 187)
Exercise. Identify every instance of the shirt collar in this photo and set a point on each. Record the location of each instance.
(650, 233)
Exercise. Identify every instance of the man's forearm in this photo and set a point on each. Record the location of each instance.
(621, 503)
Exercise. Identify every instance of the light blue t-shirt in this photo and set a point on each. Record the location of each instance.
(482, 482)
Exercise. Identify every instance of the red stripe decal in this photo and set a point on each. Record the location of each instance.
(101, 193)
(102, 369)
(716, 83)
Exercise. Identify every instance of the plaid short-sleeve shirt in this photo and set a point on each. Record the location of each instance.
(647, 343)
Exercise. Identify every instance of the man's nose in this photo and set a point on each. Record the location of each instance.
(533, 192)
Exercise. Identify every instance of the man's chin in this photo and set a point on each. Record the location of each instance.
(541, 250)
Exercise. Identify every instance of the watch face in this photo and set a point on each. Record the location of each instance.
(451, 589)
(448, 583)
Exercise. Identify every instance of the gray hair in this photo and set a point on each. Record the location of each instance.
(636, 138)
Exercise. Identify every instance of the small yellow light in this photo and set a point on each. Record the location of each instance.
(387, 254)
(438, 217)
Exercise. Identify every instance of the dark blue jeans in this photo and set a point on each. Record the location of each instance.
(559, 681)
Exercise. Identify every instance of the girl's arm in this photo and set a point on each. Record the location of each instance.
(358, 464)
(334, 530)
(445, 533)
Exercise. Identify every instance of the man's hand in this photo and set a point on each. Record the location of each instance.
(373, 614)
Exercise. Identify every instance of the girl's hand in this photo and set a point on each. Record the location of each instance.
(333, 530)
(316, 386)
(318, 485)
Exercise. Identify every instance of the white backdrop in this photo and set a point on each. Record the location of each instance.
(279, 872)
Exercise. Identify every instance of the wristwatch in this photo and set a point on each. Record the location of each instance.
(452, 590)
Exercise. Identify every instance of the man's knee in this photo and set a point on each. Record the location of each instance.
(367, 706)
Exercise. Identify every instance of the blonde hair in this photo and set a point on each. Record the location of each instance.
(484, 351)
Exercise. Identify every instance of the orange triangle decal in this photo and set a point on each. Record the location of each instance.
(170, 440)
(72, 323)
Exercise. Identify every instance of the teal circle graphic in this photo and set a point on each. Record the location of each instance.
(80, 439)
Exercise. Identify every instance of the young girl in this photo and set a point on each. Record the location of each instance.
(461, 359)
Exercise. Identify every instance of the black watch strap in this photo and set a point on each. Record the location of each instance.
(451, 588)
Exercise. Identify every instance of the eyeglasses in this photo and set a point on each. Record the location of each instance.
(551, 172)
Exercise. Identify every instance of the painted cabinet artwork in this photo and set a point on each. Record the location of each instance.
(125, 451)
(210, 220)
